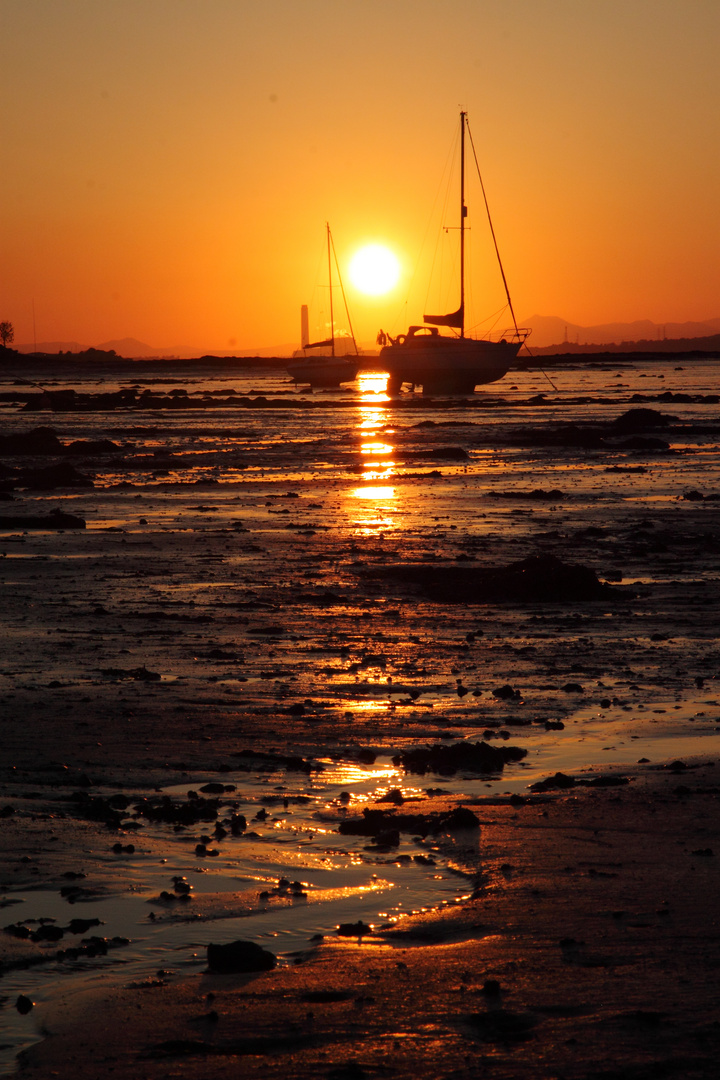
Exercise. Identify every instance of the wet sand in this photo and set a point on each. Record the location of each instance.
(241, 589)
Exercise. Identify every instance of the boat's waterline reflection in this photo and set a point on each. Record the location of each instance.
(373, 386)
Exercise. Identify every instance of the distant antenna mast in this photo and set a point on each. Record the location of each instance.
(34, 332)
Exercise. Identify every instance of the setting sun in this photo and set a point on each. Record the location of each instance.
(374, 270)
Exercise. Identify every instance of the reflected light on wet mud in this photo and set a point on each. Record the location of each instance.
(373, 386)
(374, 519)
(377, 494)
(373, 420)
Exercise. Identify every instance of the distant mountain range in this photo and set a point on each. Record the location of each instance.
(547, 331)
(132, 349)
(550, 330)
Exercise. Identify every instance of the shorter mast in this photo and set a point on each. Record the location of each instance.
(463, 215)
(330, 284)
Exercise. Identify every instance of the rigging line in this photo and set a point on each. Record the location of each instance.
(490, 321)
(342, 290)
(29, 382)
(492, 230)
(541, 370)
(316, 299)
(441, 199)
(443, 281)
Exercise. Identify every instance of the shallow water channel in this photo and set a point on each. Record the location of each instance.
(234, 892)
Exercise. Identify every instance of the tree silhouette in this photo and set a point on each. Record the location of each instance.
(7, 333)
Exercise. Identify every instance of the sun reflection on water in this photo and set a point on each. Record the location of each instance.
(377, 494)
(377, 453)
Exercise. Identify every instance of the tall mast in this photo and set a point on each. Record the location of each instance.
(332, 321)
(463, 215)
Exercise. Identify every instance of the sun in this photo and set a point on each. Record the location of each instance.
(374, 270)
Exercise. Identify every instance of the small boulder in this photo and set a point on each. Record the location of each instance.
(239, 957)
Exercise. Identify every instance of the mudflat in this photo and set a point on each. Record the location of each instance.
(438, 673)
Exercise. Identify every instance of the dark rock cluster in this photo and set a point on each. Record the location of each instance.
(447, 759)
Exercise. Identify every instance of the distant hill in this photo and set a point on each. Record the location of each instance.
(132, 349)
(52, 347)
(550, 330)
(667, 346)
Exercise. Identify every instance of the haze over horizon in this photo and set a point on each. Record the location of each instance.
(546, 331)
(169, 166)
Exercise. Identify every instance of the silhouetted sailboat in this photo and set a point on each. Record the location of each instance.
(447, 363)
(326, 368)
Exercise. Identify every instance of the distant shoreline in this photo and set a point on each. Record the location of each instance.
(21, 364)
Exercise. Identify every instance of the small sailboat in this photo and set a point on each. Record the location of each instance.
(451, 363)
(327, 363)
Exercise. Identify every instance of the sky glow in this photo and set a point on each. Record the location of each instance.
(169, 165)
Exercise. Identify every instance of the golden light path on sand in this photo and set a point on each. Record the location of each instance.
(208, 528)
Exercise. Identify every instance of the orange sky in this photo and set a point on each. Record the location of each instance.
(169, 165)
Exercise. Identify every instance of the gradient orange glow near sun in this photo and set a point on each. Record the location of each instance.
(170, 165)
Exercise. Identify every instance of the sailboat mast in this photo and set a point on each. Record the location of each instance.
(463, 215)
(332, 320)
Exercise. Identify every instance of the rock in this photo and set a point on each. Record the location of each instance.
(23, 1005)
(558, 781)
(395, 796)
(238, 824)
(141, 674)
(239, 957)
(389, 838)
(636, 420)
(447, 759)
(501, 1026)
(42, 440)
(53, 476)
(81, 926)
(176, 813)
(51, 522)
(537, 579)
(506, 693)
(357, 929)
(385, 825)
(89, 447)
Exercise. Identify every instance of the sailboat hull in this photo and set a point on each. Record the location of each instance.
(323, 371)
(446, 365)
